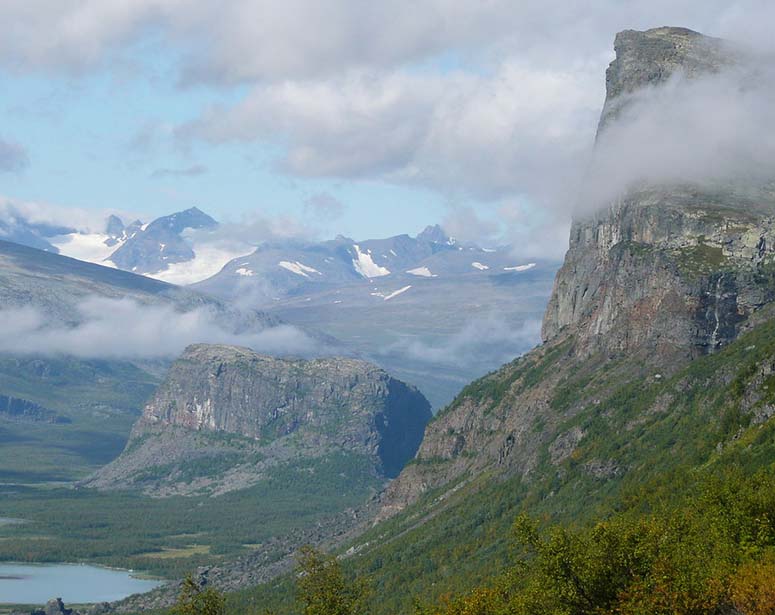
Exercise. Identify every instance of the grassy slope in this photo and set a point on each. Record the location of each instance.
(661, 433)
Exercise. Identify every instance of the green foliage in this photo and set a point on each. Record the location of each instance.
(323, 588)
(512, 379)
(663, 434)
(130, 530)
(195, 600)
(710, 552)
(672, 531)
(701, 259)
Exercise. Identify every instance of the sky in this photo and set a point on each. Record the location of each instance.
(341, 116)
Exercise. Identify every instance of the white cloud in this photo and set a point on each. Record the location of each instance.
(516, 130)
(125, 329)
(247, 40)
(465, 223)
(38, 212)
(711, 129)
(251, 229)
(358, 125)
(481, 99)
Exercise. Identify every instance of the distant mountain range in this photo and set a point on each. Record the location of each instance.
(435, 311)
(277, 271)
(160, 249)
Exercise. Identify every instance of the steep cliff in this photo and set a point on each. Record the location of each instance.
(662, 275)
(672, 267)
(678, 269)
(225, 416)
(658, 358)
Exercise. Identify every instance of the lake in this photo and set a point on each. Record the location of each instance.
(74, 583)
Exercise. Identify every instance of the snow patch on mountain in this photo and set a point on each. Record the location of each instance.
(298, 268)
(389, 296)
(366, 266)
(479, 266)
(209, 259)
(422, 272)
(520, 267)
(89, 247)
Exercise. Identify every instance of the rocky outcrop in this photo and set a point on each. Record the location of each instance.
(278, 408)
(669, 269)
(652, 57)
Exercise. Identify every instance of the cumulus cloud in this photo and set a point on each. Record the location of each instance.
(13, 157)
(465, 223)
(235, 41)
(125, 329)
(246, 40)
(517, 130)
(252, 229)
(486, 100)
(15, 211)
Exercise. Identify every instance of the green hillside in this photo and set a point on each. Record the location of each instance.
(710, 418)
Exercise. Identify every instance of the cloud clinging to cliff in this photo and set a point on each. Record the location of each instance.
(712, 129)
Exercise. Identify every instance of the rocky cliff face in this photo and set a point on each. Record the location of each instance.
(652, 57)
(276, 409)
(679, 269)
(671, 267)
(661, 275)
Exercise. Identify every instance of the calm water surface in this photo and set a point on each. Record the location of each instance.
(37, 583)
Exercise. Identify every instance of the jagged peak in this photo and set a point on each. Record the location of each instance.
(114, 226)
(434, 233)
